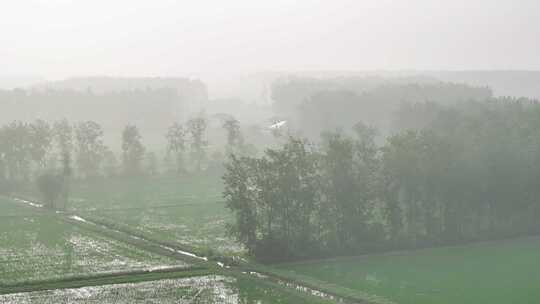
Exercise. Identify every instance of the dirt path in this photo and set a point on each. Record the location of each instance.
(106, 279)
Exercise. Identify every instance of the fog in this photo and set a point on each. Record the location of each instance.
(63, 38)
(265, 152)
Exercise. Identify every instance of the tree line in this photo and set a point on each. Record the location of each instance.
(53, 153)
(470, 172)
(315, 105)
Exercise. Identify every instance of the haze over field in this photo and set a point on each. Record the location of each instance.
(264, 152)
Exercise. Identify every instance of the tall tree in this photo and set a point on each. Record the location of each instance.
(239, 194)
(402, 161)
(63, 136)
(197, 129)
(176, 144)
(133, 150)
(40, 134)
(62, 133)
(274, 199)
(67, 171)
(343, 192)
(90, 148)
(235, 140)
(17, 157)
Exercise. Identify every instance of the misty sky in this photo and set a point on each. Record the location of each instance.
(59, 38)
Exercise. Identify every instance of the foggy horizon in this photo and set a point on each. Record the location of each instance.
(66, 38)
(270, 152)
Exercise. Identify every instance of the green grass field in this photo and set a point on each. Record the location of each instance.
(144, 192)
(492, 272)
(38, 245)
(188, 211)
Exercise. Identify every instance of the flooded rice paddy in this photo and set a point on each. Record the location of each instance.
(40, 246)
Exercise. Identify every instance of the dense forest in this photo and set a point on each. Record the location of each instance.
(315, 105)
(469, 173)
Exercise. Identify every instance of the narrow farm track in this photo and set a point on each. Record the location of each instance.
(107, 279)
(202, 265)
